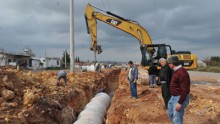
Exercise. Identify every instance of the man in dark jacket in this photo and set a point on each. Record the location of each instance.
(179, 89)
(165, 76)
(133, 77)
(152, 71)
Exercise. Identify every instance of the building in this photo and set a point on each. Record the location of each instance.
(50, 62)
(43, 63)
(25, 60)
(13, 59)
(34, 63)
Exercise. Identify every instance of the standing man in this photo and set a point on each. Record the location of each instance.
(179, 89)
(62, 74)
(165, 76)
(152, 72)
(133, 77)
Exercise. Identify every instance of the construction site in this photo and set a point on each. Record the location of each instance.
(53, 90)
(36, 97)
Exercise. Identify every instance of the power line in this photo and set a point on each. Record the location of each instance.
(103, 4)
(109, 5)
(98, 8)
(94, 3)
(84, 2)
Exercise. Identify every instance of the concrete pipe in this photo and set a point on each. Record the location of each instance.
(102, 97)
(84, 68)
(93, 67)
(95, 110)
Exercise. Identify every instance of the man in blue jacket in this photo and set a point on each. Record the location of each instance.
(133, 77)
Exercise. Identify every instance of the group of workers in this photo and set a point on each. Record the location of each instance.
(175, 85)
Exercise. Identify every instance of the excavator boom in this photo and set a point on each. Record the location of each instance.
(116, 21)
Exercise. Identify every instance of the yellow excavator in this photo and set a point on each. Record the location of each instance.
(150, 52)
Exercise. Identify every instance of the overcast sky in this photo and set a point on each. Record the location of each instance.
(43, 25)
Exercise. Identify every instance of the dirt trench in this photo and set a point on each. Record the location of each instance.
(29, 98)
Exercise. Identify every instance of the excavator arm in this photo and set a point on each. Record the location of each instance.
(128, 26)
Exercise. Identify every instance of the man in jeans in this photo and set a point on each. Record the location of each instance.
(152, 72)
(179, 89)
(165, 76)
(133, 77)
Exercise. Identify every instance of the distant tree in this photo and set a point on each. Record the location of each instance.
(215, 61)
(67, 57)
(75, 59)
(212, 61)
(215, 58)
(78, 60)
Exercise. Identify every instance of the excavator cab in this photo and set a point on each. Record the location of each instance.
(159, 51)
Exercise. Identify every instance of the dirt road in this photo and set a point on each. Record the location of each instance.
(208, 77)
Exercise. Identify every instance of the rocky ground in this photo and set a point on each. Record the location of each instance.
(36, 97)
(148, 108)
(27, 98)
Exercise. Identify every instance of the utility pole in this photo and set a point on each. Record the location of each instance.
(71, 36)
(65, 58)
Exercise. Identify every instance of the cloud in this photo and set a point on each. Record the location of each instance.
(43, 25)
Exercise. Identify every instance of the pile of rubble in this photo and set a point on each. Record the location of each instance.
(204, 103)
(37, 97)
(125, 110)
(28, 97)
(148, 108)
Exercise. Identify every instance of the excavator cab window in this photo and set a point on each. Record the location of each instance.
(160, 51)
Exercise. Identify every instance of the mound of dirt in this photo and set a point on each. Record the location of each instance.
(28, 97)
(148, 108)
(125, 110)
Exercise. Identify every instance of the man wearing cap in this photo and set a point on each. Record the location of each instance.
(165, 76)
(179, 89)
(133, 77)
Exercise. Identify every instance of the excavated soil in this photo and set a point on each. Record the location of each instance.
(148, 108)
(35, 97)
(29, 98)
